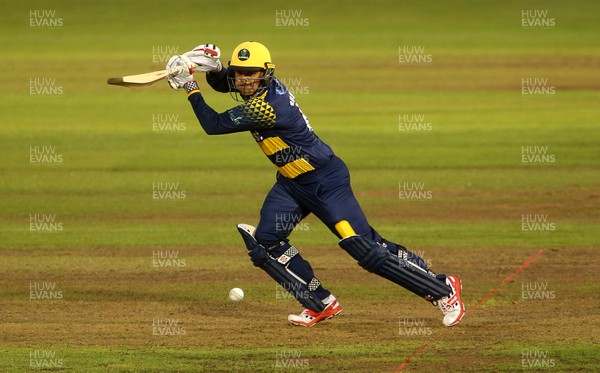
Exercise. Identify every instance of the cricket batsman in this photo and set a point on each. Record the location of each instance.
(310, 179)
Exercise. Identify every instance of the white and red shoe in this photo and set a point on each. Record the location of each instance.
(309, 317)
(452, 306)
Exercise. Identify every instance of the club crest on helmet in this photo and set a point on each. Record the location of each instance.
(243, 54)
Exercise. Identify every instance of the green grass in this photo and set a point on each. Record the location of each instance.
(215, 360)
(356, 93)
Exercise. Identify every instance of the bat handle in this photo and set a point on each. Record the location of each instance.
(175, 71)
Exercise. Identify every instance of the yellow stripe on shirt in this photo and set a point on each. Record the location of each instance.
(272, 145)
(295, 168)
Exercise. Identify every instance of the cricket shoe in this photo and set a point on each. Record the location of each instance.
(451, 305)
(309, 317)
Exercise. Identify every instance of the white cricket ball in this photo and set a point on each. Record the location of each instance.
(236, 294)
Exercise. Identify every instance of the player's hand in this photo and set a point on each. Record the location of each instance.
(185, 76)
(206, 58)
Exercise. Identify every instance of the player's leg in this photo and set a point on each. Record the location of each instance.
(441, 290)
(336, 203)
(270, 250)
(279, 216)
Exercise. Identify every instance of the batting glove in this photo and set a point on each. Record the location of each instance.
(206, 58)
(186, 70)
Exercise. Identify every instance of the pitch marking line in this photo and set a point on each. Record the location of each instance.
(471, 309)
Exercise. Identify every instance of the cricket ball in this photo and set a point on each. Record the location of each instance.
(236, 294)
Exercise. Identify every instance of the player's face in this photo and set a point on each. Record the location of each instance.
(247, 82)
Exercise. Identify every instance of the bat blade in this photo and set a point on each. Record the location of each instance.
(142, 80)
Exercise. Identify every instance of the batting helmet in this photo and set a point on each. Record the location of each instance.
(251, 56)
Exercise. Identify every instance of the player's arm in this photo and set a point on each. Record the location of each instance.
(212, 122)
(251, 115)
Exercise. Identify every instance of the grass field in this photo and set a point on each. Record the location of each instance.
(495, 123)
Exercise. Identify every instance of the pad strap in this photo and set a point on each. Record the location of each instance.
(288, 255)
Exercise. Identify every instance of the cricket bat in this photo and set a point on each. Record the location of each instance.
(146, 79)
